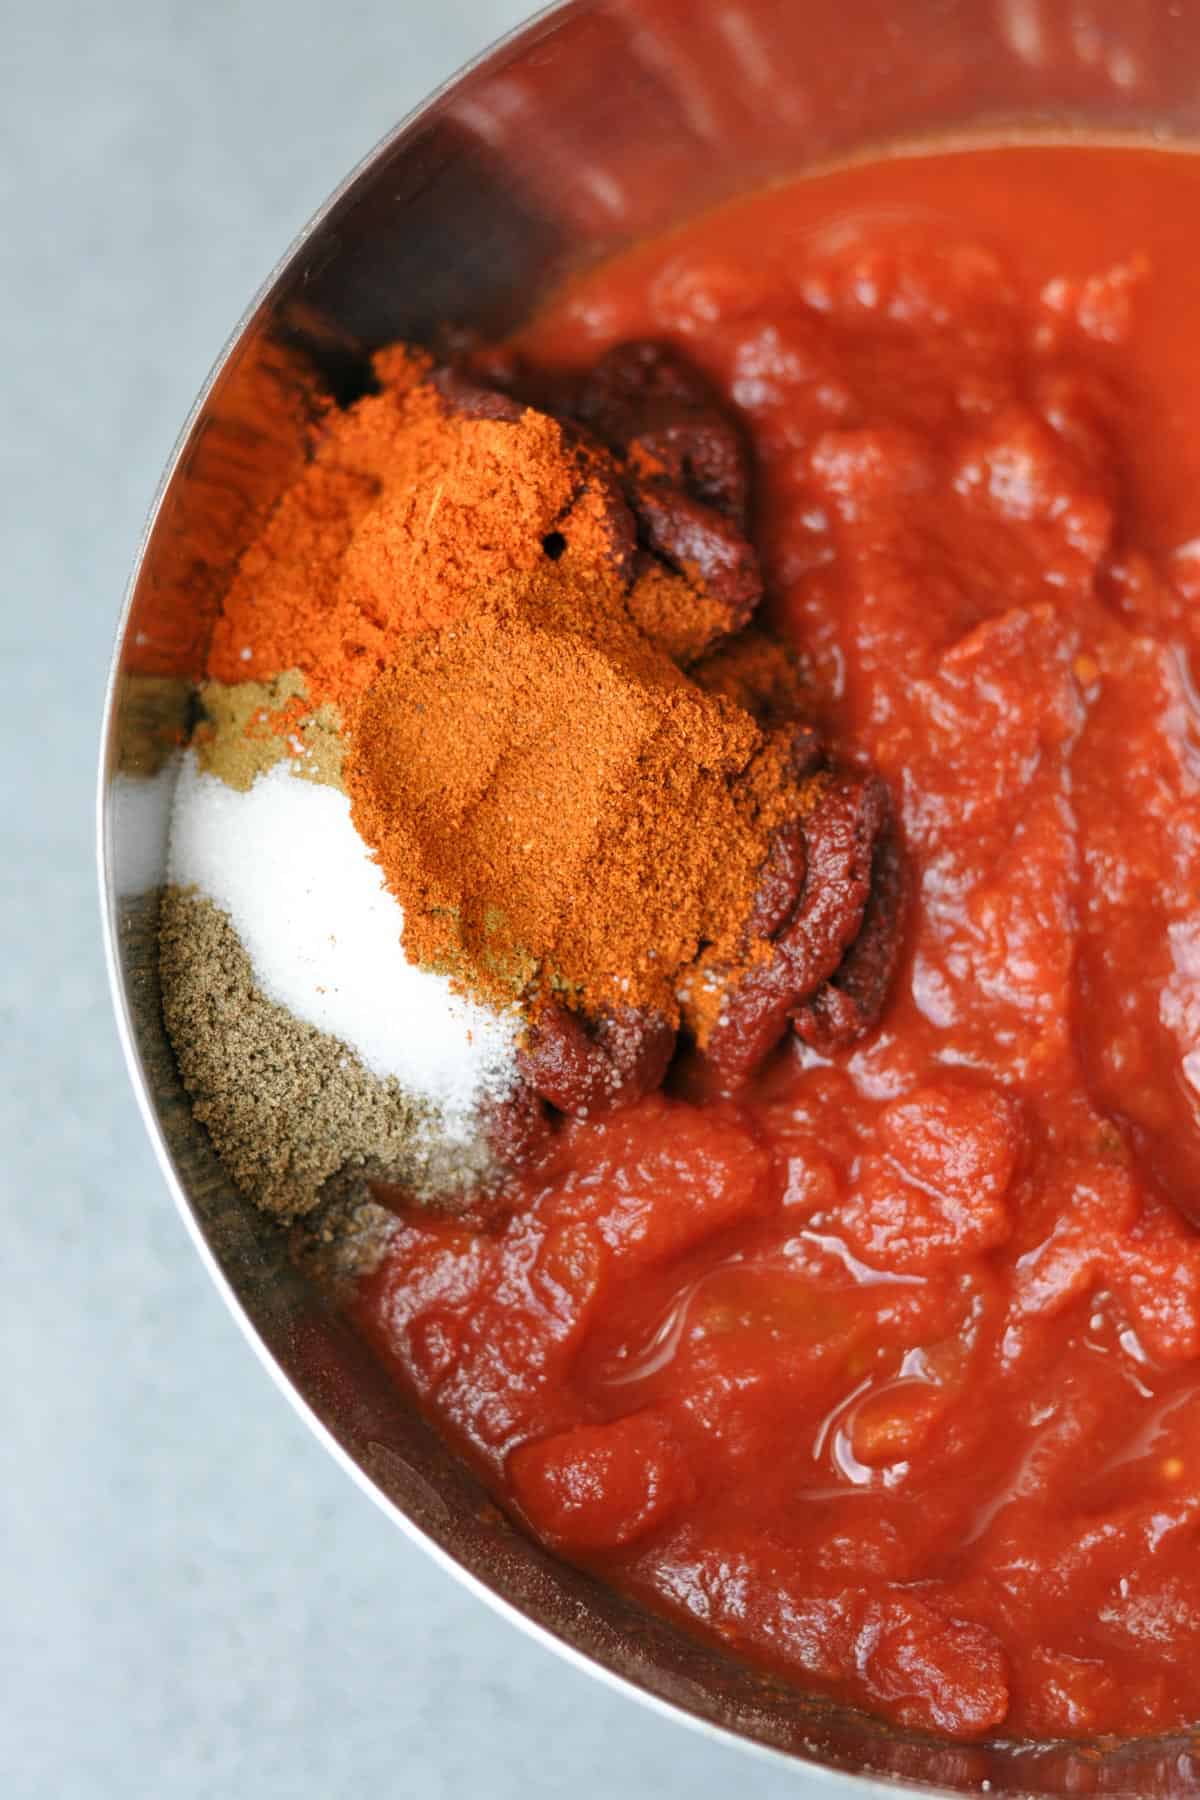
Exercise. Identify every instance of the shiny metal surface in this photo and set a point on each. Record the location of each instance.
(597, 123)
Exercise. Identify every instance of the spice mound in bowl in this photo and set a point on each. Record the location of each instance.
(500, 809)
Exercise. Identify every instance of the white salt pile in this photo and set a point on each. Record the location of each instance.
(284, 862)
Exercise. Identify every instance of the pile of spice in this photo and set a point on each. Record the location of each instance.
(496, 796)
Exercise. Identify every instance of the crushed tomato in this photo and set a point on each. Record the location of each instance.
(886, 1374)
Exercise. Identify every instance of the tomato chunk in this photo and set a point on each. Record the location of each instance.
(599, 1486)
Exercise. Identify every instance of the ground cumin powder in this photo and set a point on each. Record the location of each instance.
(556, 803)
(287, 1106)
(247, 728)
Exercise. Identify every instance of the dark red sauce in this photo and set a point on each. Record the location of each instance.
(886, 1373)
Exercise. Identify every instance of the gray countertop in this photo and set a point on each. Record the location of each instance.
(196, 1600)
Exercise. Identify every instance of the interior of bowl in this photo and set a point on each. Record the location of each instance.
(603, 121)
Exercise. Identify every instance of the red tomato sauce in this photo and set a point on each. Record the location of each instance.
(886, 1374)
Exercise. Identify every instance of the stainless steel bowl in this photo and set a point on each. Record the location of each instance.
(600, 121)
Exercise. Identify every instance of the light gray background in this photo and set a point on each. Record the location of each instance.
(195, 1600)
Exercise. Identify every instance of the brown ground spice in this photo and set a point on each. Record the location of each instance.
(287, 1106)
(344, 1238)
(247, 727)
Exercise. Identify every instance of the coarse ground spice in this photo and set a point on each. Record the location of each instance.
(558, 807)
(287, 1106)
(344, 1238)
(247, 728)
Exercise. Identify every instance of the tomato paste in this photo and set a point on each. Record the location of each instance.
(884, 1371)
